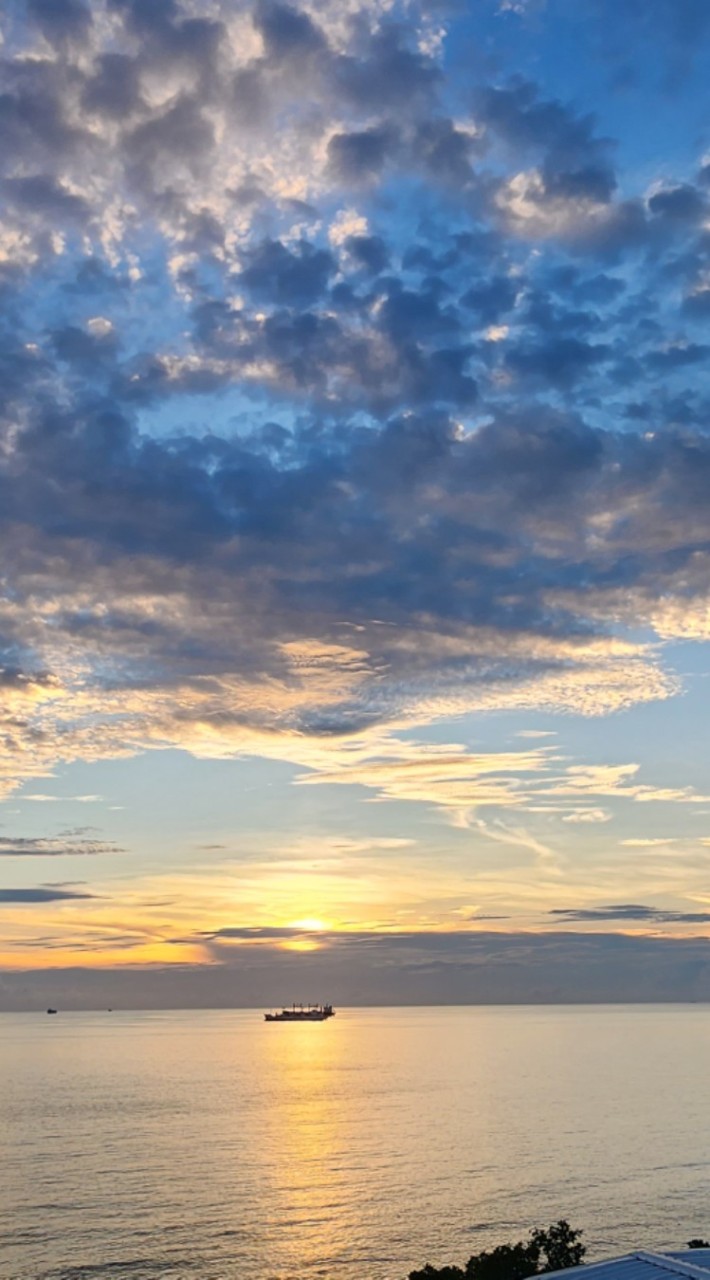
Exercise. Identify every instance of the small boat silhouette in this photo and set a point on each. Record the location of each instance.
(51, 1011)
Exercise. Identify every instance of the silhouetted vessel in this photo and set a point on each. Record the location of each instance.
(51, 1011)
(303, 1013)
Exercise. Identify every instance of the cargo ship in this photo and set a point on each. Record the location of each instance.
(302, 1013)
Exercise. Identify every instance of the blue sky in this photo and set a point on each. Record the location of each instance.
(354, 473)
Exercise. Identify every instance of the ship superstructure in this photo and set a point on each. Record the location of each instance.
(302, 1013)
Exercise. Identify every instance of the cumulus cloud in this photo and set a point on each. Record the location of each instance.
(317, 500)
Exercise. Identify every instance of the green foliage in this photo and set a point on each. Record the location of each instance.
(558, 1247)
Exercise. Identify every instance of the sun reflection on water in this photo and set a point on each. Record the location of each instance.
(311, 1130)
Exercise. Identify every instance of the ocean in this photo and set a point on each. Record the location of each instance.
(210, 1145)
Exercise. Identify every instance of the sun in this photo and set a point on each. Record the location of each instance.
(310, 924)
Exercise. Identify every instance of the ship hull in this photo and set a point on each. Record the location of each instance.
(306, 1017)
(316, 1014)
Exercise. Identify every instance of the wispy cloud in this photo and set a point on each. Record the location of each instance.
(649, 842)
(630, 912)
(70, 844)
(585, 816)
(41, 798)
(546, 858)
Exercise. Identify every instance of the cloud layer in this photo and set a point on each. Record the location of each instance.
(407, 969)
(350, 379)
(283, 459)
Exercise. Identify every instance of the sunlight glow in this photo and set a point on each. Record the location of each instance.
(301, 944)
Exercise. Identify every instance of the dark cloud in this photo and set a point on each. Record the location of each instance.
(368, 251)
(388, 73)
(597, 289)
(156, 20)
(287, 32)
(574, 161)
(683, 203)
(631, 911)
(395, 969)
(697, 305)
(491, 299)
(60, 18)
(115, 87)
(179, 138)
(288, 509)
(30, 896)
(290, 277)
(677, 356)
(560, 362)
(34, 117)
(44, 195)
(172, 38)
(360, 156)
(422, 314)
(78, 347)
(444, 151)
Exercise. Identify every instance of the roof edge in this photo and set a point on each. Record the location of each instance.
(663, 1261)
(677, 1265)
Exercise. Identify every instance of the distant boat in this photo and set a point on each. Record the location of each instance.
(302, 1013)
(51, 1011)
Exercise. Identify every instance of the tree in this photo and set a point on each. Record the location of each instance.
(696, 1243)
(437, 1273)
(558, 1247)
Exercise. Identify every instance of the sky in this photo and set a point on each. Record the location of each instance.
(354, 475)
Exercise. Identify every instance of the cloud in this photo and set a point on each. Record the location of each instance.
(442, 775)
(361, 156)
(649, 842)
(617, 780)
(517, 837)
(279, 274)
(41, 798)
(70, 844)
(11, 896)
(316, 501)
(574, 161)
(585, 816)
(410, 968)
(631, 912)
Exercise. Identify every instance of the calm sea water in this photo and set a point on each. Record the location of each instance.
(212, 1146)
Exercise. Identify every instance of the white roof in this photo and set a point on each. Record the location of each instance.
(694, 1264)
